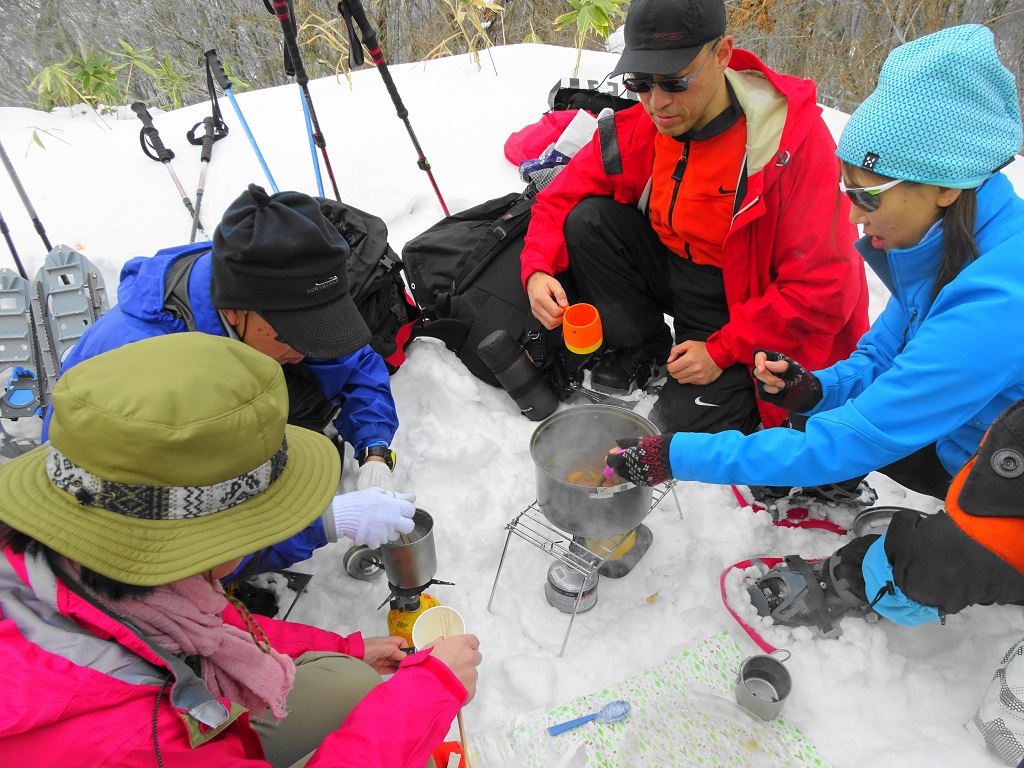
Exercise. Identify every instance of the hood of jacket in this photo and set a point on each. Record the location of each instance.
(780, 109)
(140, 293)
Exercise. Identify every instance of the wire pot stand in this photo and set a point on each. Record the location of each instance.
(531, 526)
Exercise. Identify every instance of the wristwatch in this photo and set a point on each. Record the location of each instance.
(381, 451)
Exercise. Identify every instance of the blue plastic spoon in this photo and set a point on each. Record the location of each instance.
(609, 713)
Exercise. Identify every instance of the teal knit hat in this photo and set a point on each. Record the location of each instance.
(945, 112)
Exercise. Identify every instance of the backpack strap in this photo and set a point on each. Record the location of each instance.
(610, 157)
(644, 203)
(176, 298)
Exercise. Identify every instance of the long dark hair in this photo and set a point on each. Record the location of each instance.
(958, 246)
(99, 584)
(958, 220)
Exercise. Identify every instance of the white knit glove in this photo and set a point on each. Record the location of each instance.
(373, 516)
(374, 474)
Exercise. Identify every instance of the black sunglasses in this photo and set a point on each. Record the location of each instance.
(667, 84)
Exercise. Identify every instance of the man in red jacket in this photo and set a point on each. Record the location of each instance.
(717, 203)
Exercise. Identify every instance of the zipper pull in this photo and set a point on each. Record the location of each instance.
(677, 174)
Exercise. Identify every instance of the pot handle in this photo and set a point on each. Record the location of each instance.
(606, 492)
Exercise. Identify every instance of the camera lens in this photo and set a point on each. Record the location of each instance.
(507, 360)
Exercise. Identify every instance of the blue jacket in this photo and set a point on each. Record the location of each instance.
(358, 382)
(927, 371)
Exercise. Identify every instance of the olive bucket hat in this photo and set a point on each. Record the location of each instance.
(166, 458)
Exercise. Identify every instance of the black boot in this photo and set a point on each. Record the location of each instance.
(622, 371)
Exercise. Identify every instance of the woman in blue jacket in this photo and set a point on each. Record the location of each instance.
(944, 231)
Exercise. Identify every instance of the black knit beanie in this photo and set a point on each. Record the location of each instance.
(279, 256)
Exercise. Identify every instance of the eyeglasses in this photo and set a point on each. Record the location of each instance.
(866, 198)
(667, 84)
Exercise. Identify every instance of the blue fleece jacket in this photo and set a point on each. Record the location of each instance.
(358, 382)
(927, 371)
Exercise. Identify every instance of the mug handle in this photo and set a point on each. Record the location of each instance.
(786, 651)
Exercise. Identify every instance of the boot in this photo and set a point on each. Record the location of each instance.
(801, 594)
(622, 371)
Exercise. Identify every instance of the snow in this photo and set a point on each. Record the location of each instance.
(880, 695)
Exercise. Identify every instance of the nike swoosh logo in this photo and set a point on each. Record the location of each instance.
(723, 191)
(698, 401)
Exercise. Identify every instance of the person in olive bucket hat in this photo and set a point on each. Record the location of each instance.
(169, 460)
(275, 279)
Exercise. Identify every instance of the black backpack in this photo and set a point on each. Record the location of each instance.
(375, 280)
(464, 275)
(464, 271)
(591, 95)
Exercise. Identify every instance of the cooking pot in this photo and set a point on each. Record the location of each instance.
(577, 439)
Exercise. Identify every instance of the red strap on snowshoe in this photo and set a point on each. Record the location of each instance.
(796, 517)
(761, 643)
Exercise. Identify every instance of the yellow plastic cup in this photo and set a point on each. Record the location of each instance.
(581, 328)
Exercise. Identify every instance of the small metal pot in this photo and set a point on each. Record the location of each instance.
(410, 566)
(580, 438)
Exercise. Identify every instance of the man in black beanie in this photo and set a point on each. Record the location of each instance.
(276, 279)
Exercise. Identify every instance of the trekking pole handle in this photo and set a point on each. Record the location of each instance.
(208, 138)
(218, 69)
(366, 30)
(292, 45)
(163, 154)
(369, 35)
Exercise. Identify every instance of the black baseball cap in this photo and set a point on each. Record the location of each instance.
(664, 36)
(278, 255)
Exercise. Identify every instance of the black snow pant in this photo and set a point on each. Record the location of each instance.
(619, 264)
(921, 472)
(936, 564)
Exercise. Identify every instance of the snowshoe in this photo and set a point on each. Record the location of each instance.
(800, 594)
(851, 493)
(69, 297)
(832, 507)
(18, 354)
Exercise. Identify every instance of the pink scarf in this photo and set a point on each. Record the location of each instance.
(185, 618)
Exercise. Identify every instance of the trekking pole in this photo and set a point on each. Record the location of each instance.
(289, 71)
(218, 72)
(353, 9)
(214, 129)
(209, 136)
(24, 198)
(10, 244)
(281, 10)
(149, 138)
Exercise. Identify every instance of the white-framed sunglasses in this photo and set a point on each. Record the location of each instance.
(866, 198)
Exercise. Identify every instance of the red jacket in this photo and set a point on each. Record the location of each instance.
(70, 699)
(793, 281)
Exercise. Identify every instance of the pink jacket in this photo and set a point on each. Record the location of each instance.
(58, 707)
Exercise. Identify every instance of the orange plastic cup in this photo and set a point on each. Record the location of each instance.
(581, 327)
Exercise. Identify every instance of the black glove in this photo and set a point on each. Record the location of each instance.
(643, 460)
(802, 391)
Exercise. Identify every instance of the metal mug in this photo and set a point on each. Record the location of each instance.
(411, 561)
(763, 684)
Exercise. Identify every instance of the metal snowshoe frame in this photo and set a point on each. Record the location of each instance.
(793, 594)
(39, 324)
